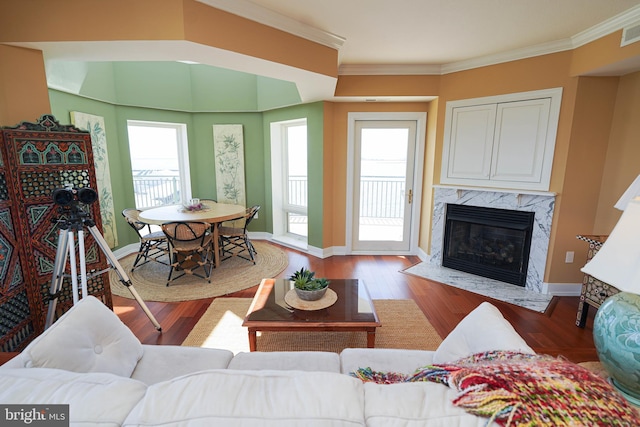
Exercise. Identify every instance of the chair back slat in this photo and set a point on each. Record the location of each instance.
(186, 235)
(188, 240)
(133, 219)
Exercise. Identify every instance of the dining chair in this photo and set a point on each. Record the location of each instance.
(190, 248)
(153, 244)
(234, 241)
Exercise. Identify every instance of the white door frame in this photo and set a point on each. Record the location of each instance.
(421, 120)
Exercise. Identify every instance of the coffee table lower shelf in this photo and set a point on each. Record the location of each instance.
(253, 331)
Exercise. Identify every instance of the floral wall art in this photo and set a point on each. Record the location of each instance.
(95, 126)
(228, 145)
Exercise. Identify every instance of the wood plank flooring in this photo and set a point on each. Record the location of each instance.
(553, 332)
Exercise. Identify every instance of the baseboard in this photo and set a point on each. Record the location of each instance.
(126, 250)
(562, 289)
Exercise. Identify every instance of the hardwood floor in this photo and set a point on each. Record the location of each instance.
(553, 332)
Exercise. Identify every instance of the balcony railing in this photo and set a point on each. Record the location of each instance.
(156, 190)
(380, 196)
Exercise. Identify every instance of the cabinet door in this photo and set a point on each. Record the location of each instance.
(472, 133)
(519, 143)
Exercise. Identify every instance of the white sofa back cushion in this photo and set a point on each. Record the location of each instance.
(94, 399)
(252, 398)
(89, 337)
(484, 329)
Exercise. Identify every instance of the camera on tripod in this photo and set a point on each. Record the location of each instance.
(71, 196)
(74, 217)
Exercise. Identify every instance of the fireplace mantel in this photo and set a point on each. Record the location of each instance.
(541, 203)
(460, 190)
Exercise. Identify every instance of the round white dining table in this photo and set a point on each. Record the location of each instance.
(213, 213)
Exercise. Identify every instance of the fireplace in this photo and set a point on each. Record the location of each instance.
(488, 242)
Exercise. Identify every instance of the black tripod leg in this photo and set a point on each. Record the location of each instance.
(124, 279)
(58, 274)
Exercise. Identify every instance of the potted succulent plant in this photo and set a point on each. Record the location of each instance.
(308, 287)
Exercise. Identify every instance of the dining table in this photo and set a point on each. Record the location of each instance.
(212, 212)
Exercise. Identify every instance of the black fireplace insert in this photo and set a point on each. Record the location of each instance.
(488, 242)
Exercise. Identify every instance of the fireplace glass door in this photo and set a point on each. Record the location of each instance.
(488, 242)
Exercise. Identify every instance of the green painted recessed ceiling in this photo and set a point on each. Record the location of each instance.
(172, 86)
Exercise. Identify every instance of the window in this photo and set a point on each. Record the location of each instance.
(289, 178)
(296, 179)
(159, 163)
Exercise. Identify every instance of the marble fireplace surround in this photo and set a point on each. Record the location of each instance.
(542, 204)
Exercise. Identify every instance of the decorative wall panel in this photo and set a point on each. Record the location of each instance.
(38, 158)
(228, 143)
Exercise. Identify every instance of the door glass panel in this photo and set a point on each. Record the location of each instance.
(383, 165)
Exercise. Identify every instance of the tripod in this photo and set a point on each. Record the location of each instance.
(73, 223)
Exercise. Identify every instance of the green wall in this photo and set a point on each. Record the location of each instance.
(171, 85)
(314, 114)
(201, 154)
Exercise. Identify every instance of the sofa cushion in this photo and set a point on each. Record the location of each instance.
(94, 399)
(165, 362)
(484, 329)
(252, 398)
(384, 359)
(287, 360)
(415, 405)
(89, 337)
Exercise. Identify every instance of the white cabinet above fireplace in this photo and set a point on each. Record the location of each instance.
(502, 141)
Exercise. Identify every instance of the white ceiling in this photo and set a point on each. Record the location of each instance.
(441, 33)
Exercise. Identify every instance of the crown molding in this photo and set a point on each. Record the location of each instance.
(265, 16)
(388, 69)
(611, 25)
(513, 55)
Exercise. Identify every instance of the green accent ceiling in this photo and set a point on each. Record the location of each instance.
(171, 86)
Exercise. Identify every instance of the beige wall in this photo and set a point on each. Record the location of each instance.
(622, 162)
(598, 136)
(23, 85)
(336, 140)
(160, 20)
(588, 138)
(593, 108)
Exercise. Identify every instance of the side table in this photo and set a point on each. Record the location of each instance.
(594, 291)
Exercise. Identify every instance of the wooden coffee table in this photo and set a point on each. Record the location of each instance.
(353, 311)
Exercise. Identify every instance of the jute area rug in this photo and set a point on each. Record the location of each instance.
(403, 326)
(234, 274)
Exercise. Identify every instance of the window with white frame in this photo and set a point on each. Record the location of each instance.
(289, 178)
(159, 163)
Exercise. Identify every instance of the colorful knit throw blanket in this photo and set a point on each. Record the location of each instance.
(518, 389)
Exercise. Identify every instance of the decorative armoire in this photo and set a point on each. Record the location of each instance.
(36, 159)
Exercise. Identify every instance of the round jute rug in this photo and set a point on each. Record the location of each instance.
(234, 274)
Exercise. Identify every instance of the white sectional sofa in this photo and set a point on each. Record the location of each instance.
(90, 360)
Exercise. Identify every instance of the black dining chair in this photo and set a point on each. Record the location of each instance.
(234, 241)
(153, 244)
(190, 248)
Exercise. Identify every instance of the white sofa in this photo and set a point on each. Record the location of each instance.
(90, 360)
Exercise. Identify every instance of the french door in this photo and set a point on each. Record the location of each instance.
(383, 185)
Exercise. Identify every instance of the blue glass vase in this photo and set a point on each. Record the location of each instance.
(616, 335)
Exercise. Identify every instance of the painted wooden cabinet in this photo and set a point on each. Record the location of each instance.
(503, 142)
(35, 160)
